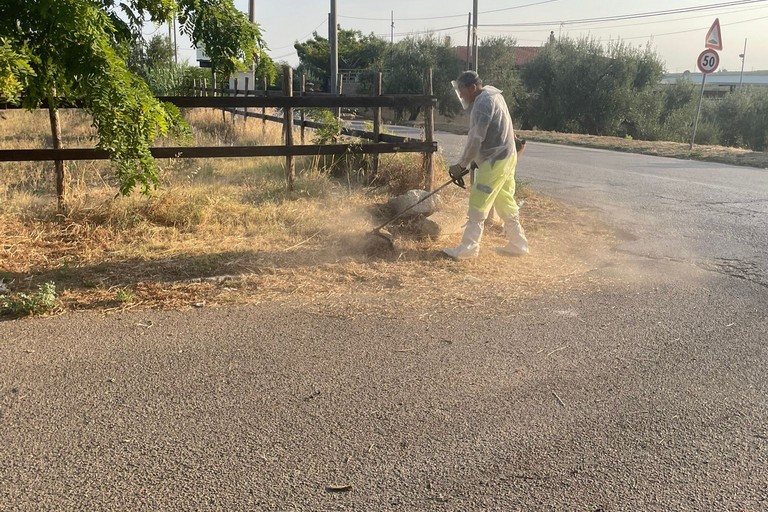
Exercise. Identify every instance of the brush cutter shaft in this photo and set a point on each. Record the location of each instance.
(414, 205)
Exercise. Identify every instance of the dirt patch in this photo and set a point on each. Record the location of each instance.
(329, 270)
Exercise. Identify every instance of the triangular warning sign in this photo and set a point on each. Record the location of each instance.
(714, 40)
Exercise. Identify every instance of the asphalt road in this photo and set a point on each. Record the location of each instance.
(711, 215)
(649, 392)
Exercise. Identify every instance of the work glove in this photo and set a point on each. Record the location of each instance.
(519, 145)
(457, 174)
(456, 171)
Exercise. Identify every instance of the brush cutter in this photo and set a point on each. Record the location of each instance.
(377, 231)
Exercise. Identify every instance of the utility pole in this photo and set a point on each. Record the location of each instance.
(254, 64)
(175, 46)
(469, 34)
(333, 35)
(474, 36)
(392, 30)
(743, 56)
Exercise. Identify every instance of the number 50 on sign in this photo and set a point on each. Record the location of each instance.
(708, 61)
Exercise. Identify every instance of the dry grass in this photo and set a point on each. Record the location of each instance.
(226, 231)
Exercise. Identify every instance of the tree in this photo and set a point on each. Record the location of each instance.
(14, 71)
(160, 52)
(583, 86)
(76, 50)
(406, 61)
(497, 66)
(356, 51)
(742, 118)
(678, 106)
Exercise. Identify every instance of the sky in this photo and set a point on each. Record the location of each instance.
(677, 38)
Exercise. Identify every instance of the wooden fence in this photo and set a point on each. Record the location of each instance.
(381, 143)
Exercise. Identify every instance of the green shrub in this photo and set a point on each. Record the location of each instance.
(742, 117)
(707, 133)
(43, 301)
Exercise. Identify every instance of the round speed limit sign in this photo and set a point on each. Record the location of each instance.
(708, 61)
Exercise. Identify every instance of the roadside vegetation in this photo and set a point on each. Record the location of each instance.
(224, 231)
(575, 86)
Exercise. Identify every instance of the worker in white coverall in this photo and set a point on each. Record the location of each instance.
(491, 145)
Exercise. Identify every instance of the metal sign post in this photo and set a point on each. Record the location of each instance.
(698, 112)
(707, 63)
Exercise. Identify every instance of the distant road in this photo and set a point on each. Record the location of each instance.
(711, 215)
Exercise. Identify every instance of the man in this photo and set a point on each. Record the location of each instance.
(491, 145)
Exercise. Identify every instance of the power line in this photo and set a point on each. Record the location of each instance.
(518, 7)
(602, 27)
(451, 16)
(622, 17)
(426, 31)
(687, 18)
(695, 29)
(653, 36)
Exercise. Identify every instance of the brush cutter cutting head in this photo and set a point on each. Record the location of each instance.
(379, 241)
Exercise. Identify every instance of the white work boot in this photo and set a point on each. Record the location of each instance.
(470, 242)
(518, 244)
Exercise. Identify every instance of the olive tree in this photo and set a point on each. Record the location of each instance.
(405, 62)
(586, 87)
(356, 51)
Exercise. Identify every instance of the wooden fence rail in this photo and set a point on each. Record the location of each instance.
(383, 143)
(38, 155)
(391, 101)
(352, 132)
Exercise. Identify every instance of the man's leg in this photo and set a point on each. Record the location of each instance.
(470, 241)
(507, 208)
(488, 182)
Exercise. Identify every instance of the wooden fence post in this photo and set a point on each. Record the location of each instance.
(290, 169)
(264, 111)
(303, 92)
(245, 111)
(213, 86)
(223, 110)
(377, 121)
(53, 114)
(429, 128)
(234, 109)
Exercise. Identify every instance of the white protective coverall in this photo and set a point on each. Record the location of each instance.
(491, 145)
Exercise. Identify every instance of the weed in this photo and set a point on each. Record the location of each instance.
(43, 301)
(124, 295)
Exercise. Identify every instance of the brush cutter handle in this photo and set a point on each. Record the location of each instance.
(414, 205)
(457, 174)
(459, 180)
